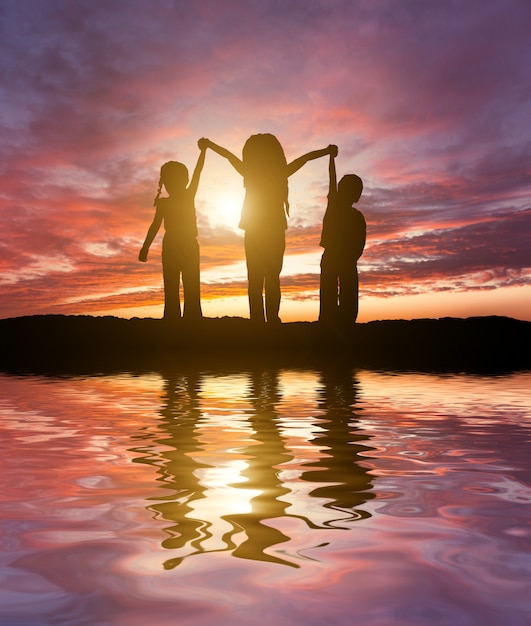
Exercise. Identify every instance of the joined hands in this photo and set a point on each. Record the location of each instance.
(203, 143)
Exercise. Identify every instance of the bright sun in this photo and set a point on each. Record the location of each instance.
(228, 207)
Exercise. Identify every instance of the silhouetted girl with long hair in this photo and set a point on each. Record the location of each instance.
(180, 249)
(265, 174)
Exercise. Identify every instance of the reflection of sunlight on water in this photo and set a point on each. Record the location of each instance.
(242, 497)
(240, 469)
(224, 390)
(221, 497)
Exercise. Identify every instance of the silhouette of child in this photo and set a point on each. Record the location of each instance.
(265, 174)
(180, 249)
(343, 239)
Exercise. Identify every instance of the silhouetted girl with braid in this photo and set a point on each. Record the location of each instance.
(180, 249)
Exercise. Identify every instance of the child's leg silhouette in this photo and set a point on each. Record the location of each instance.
(328, 288)
(274, 258)
(348, 293)
(172, 277)
(264, 255)
(255, 277)
(191, 281)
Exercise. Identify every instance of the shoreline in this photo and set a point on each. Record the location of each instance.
(86, 344)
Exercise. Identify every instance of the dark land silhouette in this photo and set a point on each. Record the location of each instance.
(85, 344)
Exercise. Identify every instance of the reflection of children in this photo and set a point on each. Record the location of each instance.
(265, 173)
(180, 249)
(343, 239)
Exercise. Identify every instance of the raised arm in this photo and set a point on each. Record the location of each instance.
(329, 231)
(332, 185)
(151, 233)
(192, 187)
(309, 156)
(236, 163)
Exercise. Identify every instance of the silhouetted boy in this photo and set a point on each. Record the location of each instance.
(343, 239)
(180, 249)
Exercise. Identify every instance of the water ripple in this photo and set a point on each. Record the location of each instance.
(246, 497)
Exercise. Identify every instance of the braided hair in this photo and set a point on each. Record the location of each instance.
(168, 170)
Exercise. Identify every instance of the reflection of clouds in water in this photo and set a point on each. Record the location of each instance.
(451, 516)
(236, 456)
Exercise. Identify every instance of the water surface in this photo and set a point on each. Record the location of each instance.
(266, 497)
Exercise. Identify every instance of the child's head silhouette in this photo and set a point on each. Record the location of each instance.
(174, 173)
(265, 165)
(350, 188)
(264, 152)
(174, 176)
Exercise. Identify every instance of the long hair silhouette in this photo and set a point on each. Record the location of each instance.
(266, 166)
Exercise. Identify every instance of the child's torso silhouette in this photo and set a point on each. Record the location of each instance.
(263, 207)
(179, 216)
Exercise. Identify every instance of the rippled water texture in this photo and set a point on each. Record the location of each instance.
(266, 498)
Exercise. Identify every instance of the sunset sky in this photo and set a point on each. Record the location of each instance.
(429, 102)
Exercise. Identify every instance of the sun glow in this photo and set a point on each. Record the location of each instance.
(223, 204)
